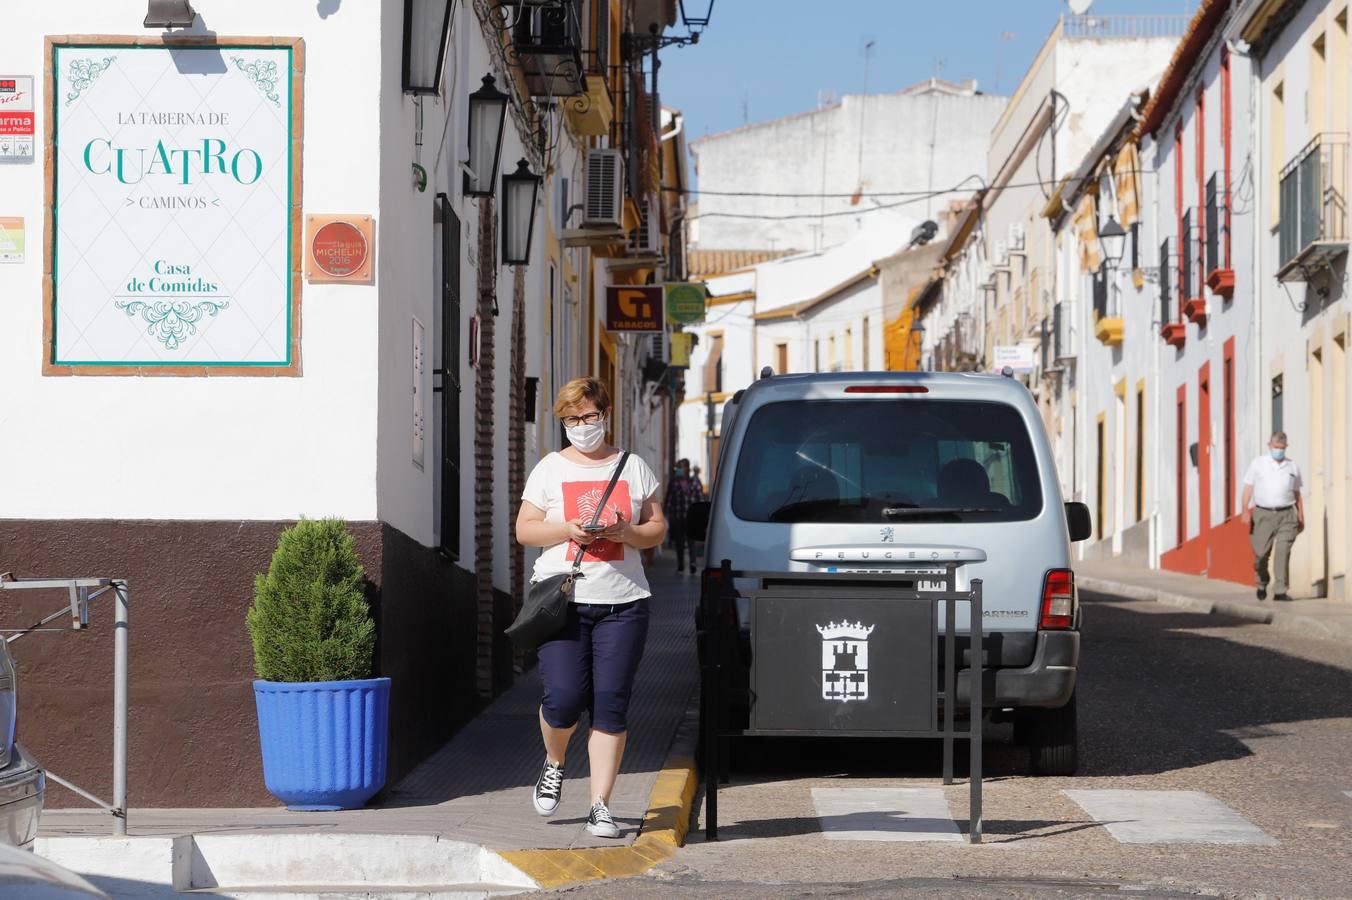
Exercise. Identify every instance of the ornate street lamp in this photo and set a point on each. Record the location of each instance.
(1113, 239)
(519, 190)
(487, 117)
(426, 26)
(696, 18)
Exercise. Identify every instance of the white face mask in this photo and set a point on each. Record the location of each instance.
(587, 437)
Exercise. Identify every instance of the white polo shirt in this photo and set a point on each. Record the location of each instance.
(1275, 484)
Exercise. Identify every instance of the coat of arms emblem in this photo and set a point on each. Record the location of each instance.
(845, 660)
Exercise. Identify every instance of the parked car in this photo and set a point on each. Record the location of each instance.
(22, 781)
(848, 473)
(29, 876)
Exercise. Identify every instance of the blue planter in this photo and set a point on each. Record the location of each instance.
(324, 742)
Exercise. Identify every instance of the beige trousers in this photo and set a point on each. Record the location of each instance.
(1273, 532)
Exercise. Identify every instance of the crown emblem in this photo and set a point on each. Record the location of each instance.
(845, 630)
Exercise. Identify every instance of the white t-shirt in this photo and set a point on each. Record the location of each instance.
(1275, 484)
(611, 573)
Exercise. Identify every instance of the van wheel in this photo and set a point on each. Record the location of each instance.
(1052, 736)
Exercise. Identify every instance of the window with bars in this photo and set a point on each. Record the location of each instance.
(1185, 260)
(1165, 277)
(1213, 234)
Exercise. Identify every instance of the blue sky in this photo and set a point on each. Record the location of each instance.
(761, 59)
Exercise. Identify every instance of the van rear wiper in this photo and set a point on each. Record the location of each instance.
(903, 512)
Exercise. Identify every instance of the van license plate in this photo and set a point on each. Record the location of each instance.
(931, 585)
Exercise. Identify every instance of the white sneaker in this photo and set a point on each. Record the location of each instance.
(599, 821)
(548, 789)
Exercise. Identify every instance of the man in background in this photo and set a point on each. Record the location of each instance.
(1272, 485)
(682, 491)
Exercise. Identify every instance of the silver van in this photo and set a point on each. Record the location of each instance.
(874, 472)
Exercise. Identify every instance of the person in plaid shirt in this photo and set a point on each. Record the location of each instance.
(682, 491)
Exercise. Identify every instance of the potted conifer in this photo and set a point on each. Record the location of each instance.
(322, 720)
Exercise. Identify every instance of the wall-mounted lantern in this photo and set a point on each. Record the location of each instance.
(519, 191)
(1113, 239)
(487, 118)
(169, 14)
(427, 24)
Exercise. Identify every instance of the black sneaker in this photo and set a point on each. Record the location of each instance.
(1262, 594)
(548, 789)
(1281, 598)
(599, 821)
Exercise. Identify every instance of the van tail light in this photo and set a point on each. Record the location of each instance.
(1058, 600)
(714, 581)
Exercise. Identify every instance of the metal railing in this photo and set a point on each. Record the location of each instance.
(1184, 253)
(1119, 27)
(1214, 207)
(1168, 307)
(1313, 196)
(81, 591)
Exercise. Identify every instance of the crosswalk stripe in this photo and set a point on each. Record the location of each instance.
(884, 814)
(1168, 817)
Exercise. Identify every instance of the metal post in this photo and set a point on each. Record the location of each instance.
(713, 661)
(977, 670)
(950, 679)
(120, 626)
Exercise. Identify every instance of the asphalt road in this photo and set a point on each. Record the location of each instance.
(1255, 723)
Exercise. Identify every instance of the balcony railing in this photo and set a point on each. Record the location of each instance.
(547, 41)
(1313, 206)
(1214, 225)
(1172, 329)
(1158, 26)
(1183, 255)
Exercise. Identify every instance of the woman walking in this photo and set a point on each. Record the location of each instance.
(590, 664)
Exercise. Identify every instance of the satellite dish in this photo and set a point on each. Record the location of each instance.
(1080, 7)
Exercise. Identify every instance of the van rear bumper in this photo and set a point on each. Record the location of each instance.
(1048, 681)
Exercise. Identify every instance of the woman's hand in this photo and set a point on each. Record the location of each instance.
(580, 535)
(621, 532)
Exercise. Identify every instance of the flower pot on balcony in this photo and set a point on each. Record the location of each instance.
(1222, 282)
(325, 743)
(1195, 311)
(1174, 334)
(1109, 331)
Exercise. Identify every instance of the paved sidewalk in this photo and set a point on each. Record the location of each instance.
(477, 788)
(1330, 619)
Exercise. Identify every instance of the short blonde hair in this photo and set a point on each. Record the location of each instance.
(578, 391)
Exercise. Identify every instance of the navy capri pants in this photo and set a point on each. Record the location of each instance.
(590, 664)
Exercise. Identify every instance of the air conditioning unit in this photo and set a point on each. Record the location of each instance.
(1016, 238)
(604, 207)
(1001, 255)
(646, 239)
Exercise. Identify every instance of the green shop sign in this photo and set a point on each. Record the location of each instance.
(685, 303)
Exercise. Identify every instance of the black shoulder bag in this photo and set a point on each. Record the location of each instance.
(545, 611)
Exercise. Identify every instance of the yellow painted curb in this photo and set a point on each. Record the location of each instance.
(664, 827)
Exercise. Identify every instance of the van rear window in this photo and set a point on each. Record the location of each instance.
(886, 461)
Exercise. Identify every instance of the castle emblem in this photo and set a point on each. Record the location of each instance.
(845, 660)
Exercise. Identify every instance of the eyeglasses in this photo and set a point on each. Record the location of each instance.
(590, 418)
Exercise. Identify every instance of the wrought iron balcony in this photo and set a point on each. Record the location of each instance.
(547, 43)
(1173, 331)
(1219, 276)
(1313, 198)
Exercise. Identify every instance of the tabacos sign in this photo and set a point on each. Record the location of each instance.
(182, 165)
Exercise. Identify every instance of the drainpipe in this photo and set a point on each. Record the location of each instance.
(1255, 251)
(1157, 388)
